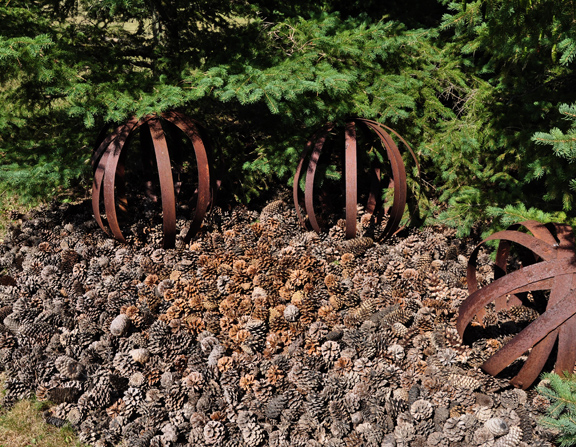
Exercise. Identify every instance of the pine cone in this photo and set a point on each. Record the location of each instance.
(214, 432)
(253, 434)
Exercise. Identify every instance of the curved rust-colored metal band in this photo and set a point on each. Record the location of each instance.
(323, 133)
(127, 127)
(309, 184)
(566, 349)
(472, 283)
(99, 151)
(565, 232)
(295, 184)
(566, 357)
(471, 280)
(96, 190)
(516, 282)
(535, 361)
(98, 167)
(401, 161)
(100, 177)
(400, 189)
(148, 163)
(351, 181)
(543, 239)
(539, 230)
(545, 284)
(392, 156)
(510, 299)
(533, 274)
(401, 139)
(560, 287)
(166, 182)
(121, 183)
(539, 247)
(108, 189)
(501, 265)
(375, 190)
(204, 188)
(502, 257)
(216, 173)
(502, 254)
(533, 333)
(110, 180)
(399, 176)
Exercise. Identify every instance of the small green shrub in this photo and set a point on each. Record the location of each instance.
(561, 391)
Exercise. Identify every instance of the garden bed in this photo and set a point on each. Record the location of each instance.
(256, 333)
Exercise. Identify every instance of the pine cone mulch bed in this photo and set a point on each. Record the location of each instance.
(256, 333)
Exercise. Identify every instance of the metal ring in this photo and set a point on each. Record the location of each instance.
(314, 148)
(109, 174)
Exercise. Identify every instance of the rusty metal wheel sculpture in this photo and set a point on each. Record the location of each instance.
(553, 249)
(109, 172)
(398, 180)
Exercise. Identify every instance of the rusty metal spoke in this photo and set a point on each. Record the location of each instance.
(399, 178)
(350, 180)
(535, 361)
(530, 335)
(566, 350)
(533, 275)
(188, 126)
(166, 182)
(318, 139)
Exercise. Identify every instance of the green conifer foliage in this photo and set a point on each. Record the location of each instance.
(518, 60)
(33, 159)
(561, 391)
(262, 78)
(560, 181)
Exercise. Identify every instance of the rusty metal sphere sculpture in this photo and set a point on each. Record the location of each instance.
(108, 166)
(398, 181)
(553, 249)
